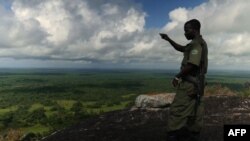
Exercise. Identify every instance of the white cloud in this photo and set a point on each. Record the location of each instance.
(178, 17)
(110, 9)
(113, 31)
(88, 30)
(50, 16)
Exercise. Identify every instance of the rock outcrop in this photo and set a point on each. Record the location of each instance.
(154, 101)
(141, 124)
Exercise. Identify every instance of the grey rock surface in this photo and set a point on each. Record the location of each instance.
(150, 125)
(154, 101)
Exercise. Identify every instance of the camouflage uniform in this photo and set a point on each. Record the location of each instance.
(184, 111)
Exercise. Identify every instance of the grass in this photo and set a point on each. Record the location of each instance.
(35, 106)
(66, 104)
(50, 113)
(106, 108)
(8, 109)
(128, 96)
(88, 103)
(38, 128)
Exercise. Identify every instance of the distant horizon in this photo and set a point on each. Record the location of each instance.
(115, 68)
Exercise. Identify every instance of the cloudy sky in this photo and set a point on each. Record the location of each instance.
(119, 33)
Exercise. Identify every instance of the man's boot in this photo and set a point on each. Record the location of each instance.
(194, 136)
(172, 136)
(183, 135)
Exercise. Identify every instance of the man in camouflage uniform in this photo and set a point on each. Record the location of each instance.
(186, 112)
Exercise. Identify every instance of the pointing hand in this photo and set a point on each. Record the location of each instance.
(164, 36)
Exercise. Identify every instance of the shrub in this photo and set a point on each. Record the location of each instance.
(219, 90)
(12, 135)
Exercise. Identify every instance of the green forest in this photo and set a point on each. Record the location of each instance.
(37, 102)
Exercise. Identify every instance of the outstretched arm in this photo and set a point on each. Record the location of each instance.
(173, 43)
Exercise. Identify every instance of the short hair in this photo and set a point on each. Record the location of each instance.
(195, 24)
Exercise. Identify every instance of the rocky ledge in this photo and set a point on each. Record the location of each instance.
(149, 124)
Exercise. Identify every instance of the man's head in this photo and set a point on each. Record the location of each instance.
(192, 28)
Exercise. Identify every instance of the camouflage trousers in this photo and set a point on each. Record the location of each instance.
(184, 111)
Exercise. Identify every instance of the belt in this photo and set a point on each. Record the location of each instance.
(191, 79)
